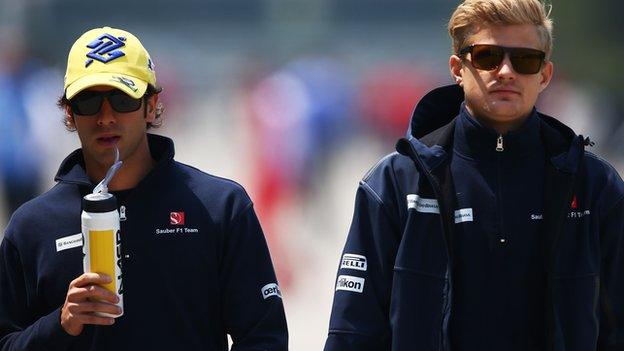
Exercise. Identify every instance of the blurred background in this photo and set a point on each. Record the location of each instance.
(294, 99)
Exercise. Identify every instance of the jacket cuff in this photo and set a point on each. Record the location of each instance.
(50, 329)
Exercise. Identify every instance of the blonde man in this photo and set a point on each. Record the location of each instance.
(491, 228)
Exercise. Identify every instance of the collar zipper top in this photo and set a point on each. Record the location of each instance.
(499, 143)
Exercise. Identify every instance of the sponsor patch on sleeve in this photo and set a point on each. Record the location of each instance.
(69, 242)
(353, 261)
(422, 205)
(350, 283)
(269, 290)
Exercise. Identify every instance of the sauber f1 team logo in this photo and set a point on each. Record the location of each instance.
(574, 204)
(176, 218)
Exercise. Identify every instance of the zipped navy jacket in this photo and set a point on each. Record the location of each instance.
(395, 286)
(187, 283)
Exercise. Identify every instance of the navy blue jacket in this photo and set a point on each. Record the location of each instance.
(183, 289)
(396, 281)
(498, 182)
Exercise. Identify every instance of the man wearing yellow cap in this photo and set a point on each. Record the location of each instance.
(195, 263)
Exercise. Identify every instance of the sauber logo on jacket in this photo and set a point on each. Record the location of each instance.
(176, 218)
(353, 261)
(574, 204)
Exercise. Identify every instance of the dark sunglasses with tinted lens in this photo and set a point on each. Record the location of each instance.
(490, 57)
(89, 103)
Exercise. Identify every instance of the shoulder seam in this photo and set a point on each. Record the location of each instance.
(598, 158)
(615, 203)
(212, 175)
(366, 187)
(241, 213)
(372, 169)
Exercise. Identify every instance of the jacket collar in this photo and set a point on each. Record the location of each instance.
(478, 141)
(432, 127)
(72, 169)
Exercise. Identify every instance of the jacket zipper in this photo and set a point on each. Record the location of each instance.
(123, 218)
(499, 143)
(122, 213)
(501, 234)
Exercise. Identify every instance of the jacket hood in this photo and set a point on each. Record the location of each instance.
(431, 129)
(72, 169)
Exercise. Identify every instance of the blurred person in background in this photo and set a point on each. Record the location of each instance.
(491, 228)
(299, 114)
(19, 156)
(195, 262)
(387, 97)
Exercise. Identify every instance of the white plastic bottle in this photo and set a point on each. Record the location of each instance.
(102, 242)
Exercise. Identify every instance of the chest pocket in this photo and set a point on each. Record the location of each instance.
(578, 253)
(422, 249)
(419, 275)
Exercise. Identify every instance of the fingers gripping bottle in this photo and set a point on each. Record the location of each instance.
(102, 236)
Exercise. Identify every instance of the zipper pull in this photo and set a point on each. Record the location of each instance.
(122, 213)
(499, 143)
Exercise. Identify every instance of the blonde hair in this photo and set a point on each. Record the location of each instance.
(472, 13)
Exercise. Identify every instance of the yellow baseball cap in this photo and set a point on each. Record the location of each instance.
(112, 57)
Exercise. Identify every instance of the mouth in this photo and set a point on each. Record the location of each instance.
(108, 140)
(505, 91)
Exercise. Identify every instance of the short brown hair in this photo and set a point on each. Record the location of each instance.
(471, 13)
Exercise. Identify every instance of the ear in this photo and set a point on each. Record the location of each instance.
(150, 113)
(455, 66)
(69, 118)
(546, 75)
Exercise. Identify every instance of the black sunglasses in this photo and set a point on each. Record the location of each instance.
(489, 57)
(88, 103)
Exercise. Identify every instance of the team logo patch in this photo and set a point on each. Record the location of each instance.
(353, 261)
(69, 242)
(350, 283)
(422, 205)
(271, 290)
(176, 218)
(463, 215)
(125, 81)
(574, 204)
(105, 49)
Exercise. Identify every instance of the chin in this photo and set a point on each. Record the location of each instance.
(105, 157)
(505, 110)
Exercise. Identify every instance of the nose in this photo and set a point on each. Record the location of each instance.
(505, 70)
(106, 115)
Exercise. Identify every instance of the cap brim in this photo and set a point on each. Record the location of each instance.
(128, 84)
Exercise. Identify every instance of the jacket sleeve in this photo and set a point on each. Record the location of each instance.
(612, 280)
(253, 312)
(360, 312)
(20, 327)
